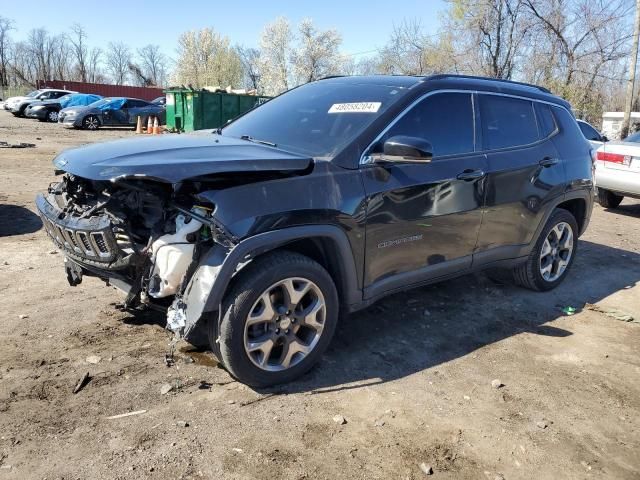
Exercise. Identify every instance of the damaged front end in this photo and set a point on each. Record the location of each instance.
(142, 236)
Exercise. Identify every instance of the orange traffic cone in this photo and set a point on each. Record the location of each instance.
(139, 125)
(149, 125)
(156, 127)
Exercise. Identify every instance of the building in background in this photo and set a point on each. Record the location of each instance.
(612, 124)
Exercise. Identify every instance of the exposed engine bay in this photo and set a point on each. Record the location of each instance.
(142, 236)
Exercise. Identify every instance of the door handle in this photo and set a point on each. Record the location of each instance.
(547, 162)
(469, 175)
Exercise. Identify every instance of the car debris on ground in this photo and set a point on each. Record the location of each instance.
(16, 145)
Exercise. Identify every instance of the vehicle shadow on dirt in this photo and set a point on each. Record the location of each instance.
(632, 210)
(17, 220)
(422, 328)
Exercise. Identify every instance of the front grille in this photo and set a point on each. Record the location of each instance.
(90, 238)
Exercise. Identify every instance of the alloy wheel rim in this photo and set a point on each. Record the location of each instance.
(92, 123)
(556, 252)
(53, 116)
(284, 324)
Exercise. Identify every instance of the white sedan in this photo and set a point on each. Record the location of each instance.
(618, 171)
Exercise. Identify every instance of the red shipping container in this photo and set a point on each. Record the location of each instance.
(143, 93)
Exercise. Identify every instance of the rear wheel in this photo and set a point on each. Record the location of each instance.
(277, 320)
(553, 254)
(608, 199)
(91, 122)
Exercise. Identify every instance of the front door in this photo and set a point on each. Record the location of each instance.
(423, 219)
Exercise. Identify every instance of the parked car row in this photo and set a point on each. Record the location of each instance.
(617, 166)
(47, 110)
(88, 111)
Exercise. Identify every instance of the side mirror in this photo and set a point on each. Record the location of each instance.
(404, 149)
(603, 138)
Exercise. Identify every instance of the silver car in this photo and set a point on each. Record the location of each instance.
(618, 171)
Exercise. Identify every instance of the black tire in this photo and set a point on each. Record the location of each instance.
(229, 343)
(90, 122)
(608, 199)
(52, 116)
(528, 274)
(199, 335)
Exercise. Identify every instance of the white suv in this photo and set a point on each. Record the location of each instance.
(17, 105)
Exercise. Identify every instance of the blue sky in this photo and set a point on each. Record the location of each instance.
(365, 25)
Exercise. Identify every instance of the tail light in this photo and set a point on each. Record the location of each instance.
(610, 157)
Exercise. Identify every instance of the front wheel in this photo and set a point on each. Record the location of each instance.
(52, 116)
(553, 254)
(608, 199)
(91, 122)
(277, 320)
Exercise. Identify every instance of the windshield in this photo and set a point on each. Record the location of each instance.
(635, 138)
(317, 119)
(32, 94)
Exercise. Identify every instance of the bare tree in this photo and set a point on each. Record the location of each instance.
(406, 49)
(153, 63)
(576, 29)
(412, 51)
(500, 28)
(118, 58)
(6, 25)
(250, 58)
(78, 40)
(94, 73)
(62, 68)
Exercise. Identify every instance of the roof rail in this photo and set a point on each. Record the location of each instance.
(472, 77)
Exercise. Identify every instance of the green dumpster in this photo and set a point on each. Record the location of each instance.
(189, 110)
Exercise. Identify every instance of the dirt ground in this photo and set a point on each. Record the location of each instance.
(412, 375)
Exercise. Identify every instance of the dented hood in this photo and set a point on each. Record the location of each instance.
(174, 158)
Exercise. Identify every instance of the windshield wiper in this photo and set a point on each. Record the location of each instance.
(255, 140)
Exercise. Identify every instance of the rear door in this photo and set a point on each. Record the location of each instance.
(423, 219)
(525, 172)
(137, 108)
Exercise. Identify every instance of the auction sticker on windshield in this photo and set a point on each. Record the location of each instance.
(359, 107)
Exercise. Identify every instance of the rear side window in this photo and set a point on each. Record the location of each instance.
(507, 122)
(444, 119)
(546, 122)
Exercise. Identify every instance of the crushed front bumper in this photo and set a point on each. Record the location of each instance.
(89, 241)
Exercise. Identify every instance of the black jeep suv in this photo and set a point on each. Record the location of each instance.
(321, 201)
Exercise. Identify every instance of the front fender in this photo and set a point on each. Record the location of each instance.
(209, 283)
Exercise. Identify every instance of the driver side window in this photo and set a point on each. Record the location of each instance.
(444, 119)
